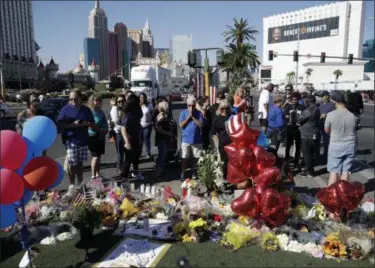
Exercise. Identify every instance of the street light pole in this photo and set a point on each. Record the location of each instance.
(297, 62)
(206, 76)
(19, 63)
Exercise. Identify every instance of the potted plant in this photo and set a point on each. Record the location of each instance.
(85, 218)
(210, 172)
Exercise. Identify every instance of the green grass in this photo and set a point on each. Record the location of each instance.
(66, 254)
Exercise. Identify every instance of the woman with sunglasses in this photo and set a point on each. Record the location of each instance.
(115, 119)
(219, 131)
(97, 136)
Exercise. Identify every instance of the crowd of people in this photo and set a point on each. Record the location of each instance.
(299, 120)
(294, 119)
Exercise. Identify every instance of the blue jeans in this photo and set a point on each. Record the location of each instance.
(120, 149)
(146, 139)
(162, 153)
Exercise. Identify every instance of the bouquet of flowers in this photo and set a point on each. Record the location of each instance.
(116, 195)
(270, 242)
(210, 171)
(189, 187)
(333, 247)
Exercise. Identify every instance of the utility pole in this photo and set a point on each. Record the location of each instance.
(2, 78)
(297, 62)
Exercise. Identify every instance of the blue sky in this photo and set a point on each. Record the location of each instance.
(61, 26)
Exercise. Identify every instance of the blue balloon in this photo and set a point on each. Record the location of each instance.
(263, 140)
(8, 215)
(60, 177)
(40, 132)
(27, 195)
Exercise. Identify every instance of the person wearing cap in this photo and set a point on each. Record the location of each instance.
(326, 106)
(265, 99)
(292, 112)
(191, 121)
(310, 135)
(341, 124)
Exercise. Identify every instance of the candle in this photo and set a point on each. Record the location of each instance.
(153, 191)
(148, 190)
(142, 189)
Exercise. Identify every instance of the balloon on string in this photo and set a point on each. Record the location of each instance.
(8, 216)
(30, 155)
(60, 176)
(40, 173)
(27, 196)
(11, 187)
(13, 149)
(40, 133)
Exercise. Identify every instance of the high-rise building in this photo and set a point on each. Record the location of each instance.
(198, 58)
(91, 50)
(122, 38)
(180, 46)
(137, 42)
(148, 41)
(17, 44)
(369, 52)
(112, 52)
(98, 28)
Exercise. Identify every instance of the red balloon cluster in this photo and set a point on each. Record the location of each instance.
(247, 160)
(38, 174)
(341, 195)
(270, 205)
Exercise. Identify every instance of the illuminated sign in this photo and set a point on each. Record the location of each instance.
(304, 30)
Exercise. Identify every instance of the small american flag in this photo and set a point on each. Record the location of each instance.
(83, 196)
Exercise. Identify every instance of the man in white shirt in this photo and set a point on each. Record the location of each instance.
(265, 99)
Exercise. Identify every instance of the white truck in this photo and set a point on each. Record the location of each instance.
(152, 80)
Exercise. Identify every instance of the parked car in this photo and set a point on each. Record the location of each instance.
(176, 96)
(4, 110)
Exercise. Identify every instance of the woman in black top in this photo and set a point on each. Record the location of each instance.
(162, 135)
(203, 105)
(220, 133)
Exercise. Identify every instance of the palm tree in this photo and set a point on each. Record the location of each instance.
(337, 73)
(308, 74)
(239, 32)
(239, 57)
(290, 76)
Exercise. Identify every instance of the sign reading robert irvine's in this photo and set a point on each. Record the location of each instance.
(306, 30)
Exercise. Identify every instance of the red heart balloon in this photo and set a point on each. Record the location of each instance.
(231, 151)
(245, 159)
(268, 177)
(264, 159)
(350, 193)
(247, 204)
(330, 199)
(234, 175)
(274, 207)
(245, 136)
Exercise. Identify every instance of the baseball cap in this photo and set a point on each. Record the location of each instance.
(337, 96)
(325, 93)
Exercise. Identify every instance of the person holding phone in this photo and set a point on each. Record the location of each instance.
(74, 120)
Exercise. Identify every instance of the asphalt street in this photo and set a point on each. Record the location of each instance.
(364, 165)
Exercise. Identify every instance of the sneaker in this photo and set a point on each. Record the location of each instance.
(137, 175)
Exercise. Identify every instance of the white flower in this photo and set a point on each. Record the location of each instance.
(284, 240)
(161, 216)
(49, 241)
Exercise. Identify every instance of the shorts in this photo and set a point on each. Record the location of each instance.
(341, 157)
(263, 122)
(96, 146)
(76, 154)
(188, 149)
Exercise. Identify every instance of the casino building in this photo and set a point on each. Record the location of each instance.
(336, 29)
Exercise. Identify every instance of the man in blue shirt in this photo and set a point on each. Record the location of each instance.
(190, 121)
(325, 107)
(74, 120)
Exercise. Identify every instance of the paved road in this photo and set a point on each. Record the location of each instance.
(364, 164)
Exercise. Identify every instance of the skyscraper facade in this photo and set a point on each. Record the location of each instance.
(369, 52)
(122, 39)
(17, 44)
(98, 28)
(180, 46)
(91, 50)
(112, 52)
(137, 42)
(148, 41)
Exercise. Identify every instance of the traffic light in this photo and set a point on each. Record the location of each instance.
(71, 78)
(322, 57)
(295, 55)
(219, 56)
(270, 55)
(350, 59)
(192, 59)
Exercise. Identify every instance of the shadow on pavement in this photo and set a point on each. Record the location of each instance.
(364, 152)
